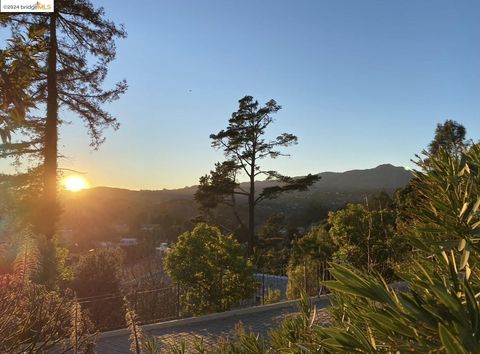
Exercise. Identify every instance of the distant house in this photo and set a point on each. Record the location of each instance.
(162, 249)
(128, 242)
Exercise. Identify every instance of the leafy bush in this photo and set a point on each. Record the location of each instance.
(98, 273)
(211, 269)
(366, 238)
(272, 296)
(307, 264)
(273, 246)
(304, 278)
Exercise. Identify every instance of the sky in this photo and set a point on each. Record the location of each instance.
(361, 83)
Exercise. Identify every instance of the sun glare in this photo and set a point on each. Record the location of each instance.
(75, 183)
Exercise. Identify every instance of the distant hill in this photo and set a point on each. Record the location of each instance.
(386, 177)
(383, 177)
(99, 212)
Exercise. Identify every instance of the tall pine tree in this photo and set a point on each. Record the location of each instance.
(245, 145)
(80, 43)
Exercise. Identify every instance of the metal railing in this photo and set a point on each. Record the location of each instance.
(107, 311)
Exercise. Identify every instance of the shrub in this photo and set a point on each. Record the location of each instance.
(304, 278)
(34, 319)
(272, 296)
(98, 273)
(366, 238)
(211, 269)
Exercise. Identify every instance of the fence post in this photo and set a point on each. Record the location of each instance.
(305, 277)
(222, 308)
(135, 302)
(263, 288)
(178, 301)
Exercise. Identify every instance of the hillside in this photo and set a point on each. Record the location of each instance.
(103, 212)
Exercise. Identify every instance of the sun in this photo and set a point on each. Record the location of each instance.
(75, 183)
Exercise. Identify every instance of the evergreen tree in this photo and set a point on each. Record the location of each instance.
(80, 42)
(449, 136)
(244, 145)
(274, 243)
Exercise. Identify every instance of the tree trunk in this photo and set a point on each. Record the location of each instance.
(251, 210)
(50, 208)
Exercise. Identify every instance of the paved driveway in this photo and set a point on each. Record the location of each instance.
(260, 320)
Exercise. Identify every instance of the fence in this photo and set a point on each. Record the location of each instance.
(153, 305)
(165, 303)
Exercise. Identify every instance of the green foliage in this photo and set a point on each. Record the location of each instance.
(408, 321)
(451, 197)
(315, 245)
(243, 342)
(272, 296)
(211, 269)
(19, 70)
(366, 238)
(449, 137)
(274, 242)
(295, 332)
(407, 201)
(304, 277)
(308, 259)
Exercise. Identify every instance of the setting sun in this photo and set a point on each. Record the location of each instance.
(75, 183)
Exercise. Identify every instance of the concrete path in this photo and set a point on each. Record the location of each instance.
(258, 319)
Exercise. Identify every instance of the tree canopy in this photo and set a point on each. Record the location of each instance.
(450, 137)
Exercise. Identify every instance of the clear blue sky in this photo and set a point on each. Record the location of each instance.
(361, 82)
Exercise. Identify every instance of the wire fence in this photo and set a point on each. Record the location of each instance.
(165, 303)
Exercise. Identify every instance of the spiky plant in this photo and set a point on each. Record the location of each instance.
(152, 345)
(133, 323)
(76, 323)
(26, 262)
(36, 320)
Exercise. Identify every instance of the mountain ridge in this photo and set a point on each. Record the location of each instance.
(101, 213)
(342, 180)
